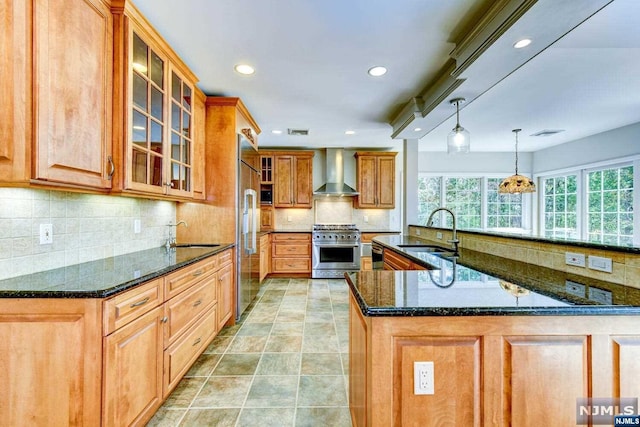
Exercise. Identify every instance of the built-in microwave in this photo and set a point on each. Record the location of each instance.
(266, 197)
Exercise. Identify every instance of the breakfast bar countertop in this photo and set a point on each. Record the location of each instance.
(106, 277)
(478, 284)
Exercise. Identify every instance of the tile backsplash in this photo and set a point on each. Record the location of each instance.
(85, 228)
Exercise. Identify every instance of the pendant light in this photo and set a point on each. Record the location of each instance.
(459, 139)
(516, 184)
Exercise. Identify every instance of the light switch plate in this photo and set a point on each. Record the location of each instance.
(600, 263)
(576, 289)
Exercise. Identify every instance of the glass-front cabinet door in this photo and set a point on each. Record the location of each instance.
(181, 135)
(160, 133)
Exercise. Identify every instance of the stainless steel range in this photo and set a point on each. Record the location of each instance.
(336, 249)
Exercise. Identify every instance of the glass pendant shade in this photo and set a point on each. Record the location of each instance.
(459, 139)
(516, 184)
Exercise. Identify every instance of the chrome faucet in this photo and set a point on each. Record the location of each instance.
(454, 238)
(171, 240)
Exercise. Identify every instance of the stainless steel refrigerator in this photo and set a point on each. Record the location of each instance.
(248, 262)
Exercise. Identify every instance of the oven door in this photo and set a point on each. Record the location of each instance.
(336, 257)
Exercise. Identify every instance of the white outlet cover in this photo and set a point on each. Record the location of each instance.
(136, 226)
(575, 259)
(46, 234)
(423, 378)
(600, 263)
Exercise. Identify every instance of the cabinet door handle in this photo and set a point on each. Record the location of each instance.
(196, 342)
(139, 303)
(197, 303)
(112, 170)
(165, 319)
(197, 273)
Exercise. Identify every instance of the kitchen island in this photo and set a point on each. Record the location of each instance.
(105, 342)
(511, 343)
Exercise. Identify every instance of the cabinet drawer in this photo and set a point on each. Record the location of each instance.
(291, 265)
(127, 306)
(287, 237)
(181, 354)
(180, 280)
(292, 249)
(398, 262)
(184, 310)
(225, 257)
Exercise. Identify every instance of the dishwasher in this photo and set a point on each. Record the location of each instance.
(377, 252)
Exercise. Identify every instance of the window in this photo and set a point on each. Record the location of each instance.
(610, 206)
(429, 189)
(605, 206)
(463, 196)
(560, 195)
(503, 210)
(475, 201)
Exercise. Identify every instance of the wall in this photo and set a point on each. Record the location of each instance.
(625, 267)
(85, 228)
(616, 143)
(474, 162)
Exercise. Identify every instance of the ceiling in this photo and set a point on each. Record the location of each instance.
(311, 60)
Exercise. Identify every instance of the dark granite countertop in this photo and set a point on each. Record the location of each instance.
(478, 284)
(105, 277)
(554, 240)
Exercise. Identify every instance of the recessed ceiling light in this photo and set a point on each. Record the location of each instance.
(417, 129)
(522, 43)
(377, 71)
(276, 131)
(349, 132)
(244, 69)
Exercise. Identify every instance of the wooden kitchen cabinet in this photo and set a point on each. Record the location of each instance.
(226, 291)
(51, 359)
(395, 261)
(266, 218)
(56, 121)
(291, 253)
(375, 173)
(293, 179)
(133, 369)
(154, 126)
(265, 256)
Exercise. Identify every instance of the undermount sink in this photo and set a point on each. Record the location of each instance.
(197, 245)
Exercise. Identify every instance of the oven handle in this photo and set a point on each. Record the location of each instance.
(336, 245)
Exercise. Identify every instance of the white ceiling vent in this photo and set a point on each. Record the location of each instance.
(548, 132)
(302, 132)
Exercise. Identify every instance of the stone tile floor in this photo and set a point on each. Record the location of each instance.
(284, 364)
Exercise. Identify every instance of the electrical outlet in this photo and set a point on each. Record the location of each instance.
(46, 234)
(417, 231)
(136, 226)
(289, 219)
(366, 218)
(423, 378)
(574, 288)
(600, 295)
(439, 235)
(600, 263)
(575, 259)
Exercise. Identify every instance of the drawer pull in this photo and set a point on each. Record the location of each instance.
(165, 319)
(197, 273)
(139, 303)
(196, 342)
(197, 303)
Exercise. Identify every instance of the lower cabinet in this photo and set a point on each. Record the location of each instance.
(395, 261)
(265, 256)
(291, 253)
(110, 362)
(133, 371)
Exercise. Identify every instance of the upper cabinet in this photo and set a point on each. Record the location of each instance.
(375, 173)
(293, 179)
(56, 60)
(157, 104)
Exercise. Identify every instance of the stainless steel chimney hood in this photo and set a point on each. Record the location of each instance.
(335, 185)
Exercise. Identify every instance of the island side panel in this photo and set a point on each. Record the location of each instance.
(487, 367)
